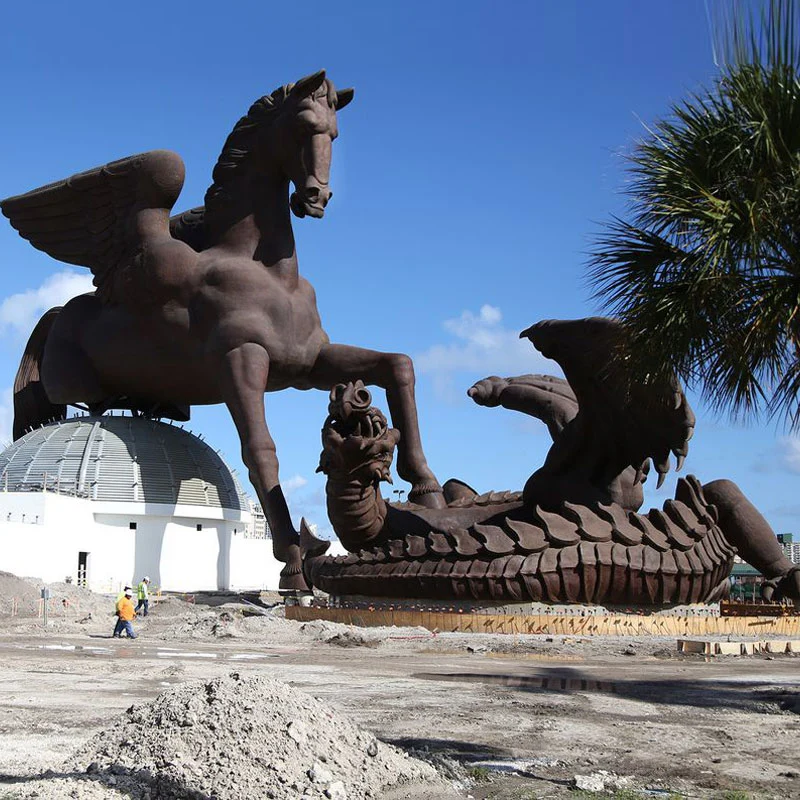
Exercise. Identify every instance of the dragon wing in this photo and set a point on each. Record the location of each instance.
(545, 397)
(622, 420)
(94, 219)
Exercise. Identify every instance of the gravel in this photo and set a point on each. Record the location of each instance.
(239, 737)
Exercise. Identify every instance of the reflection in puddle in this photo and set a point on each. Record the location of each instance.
(70, 647)
(249, 656)
(555, 684)
(180, 654)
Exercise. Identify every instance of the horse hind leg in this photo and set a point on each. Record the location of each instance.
(32, 406)
(67, 373)
(53, 373)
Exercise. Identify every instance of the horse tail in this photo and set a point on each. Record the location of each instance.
(32, 406)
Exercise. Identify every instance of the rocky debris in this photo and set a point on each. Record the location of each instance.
(601, 781)
(342, 635)
(336, 633)
(236, 738)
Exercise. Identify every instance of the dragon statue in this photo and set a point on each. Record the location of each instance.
(575, 533)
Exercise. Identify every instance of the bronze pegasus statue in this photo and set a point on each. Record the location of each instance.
(208, 306)
(575, 533)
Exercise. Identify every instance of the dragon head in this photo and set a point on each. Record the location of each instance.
(357, 442)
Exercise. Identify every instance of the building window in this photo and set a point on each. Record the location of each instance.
(132, 526)
(199, 526)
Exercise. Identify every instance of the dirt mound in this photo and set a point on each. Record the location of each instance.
(237, 738)
(20, 594)
(22, 597)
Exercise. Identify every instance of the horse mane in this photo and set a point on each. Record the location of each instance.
(233, 160)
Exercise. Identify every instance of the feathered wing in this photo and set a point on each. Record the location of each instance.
(91, 219)
(622, 420)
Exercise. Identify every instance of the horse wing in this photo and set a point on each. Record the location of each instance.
(92, 219)
(623, 419)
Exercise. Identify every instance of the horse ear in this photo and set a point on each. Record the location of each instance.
(308, 85)
(343, 97)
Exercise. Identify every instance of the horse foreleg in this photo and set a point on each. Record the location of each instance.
(243, 381)
(394, 372)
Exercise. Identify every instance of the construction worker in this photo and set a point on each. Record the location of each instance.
(121, 596)
(143, 595)
(126, 614)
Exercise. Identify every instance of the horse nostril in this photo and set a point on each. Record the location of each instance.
(312, 193)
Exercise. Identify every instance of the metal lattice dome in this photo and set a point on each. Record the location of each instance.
(122, 459)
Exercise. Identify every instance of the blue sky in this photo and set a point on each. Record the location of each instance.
(481, 154)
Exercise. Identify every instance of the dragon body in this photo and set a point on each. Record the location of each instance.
(575, 534)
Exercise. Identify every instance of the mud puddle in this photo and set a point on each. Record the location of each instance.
(543, 682)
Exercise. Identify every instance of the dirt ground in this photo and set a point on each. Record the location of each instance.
(504, 717)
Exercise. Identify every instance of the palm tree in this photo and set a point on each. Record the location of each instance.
(705, 271)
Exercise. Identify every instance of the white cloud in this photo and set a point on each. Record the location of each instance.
(789, 449)
(20, 312)
(293, 483)
(482, 346)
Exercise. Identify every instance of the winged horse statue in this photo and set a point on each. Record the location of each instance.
(207, 307)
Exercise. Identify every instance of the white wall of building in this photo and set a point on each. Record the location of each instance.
(166, 544)
(252, 564)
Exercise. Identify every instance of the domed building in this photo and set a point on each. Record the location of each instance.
(106, 500)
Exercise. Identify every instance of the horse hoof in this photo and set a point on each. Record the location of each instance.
(292, 580)
(430, 496)
(789, 586)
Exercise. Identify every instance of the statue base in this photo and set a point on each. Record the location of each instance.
(542, 618)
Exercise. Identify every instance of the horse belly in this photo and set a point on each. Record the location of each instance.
(150, 359)
(291, 362)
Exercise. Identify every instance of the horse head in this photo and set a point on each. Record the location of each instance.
(286, 134)
(310, 122)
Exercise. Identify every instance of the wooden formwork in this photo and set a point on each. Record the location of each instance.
(748, 648)
(568, 624)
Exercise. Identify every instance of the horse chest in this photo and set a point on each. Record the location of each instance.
(263, 310)
(291, 327)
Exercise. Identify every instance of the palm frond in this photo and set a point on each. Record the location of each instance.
(705, 269)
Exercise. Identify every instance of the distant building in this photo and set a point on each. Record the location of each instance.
(746, 582)
(258, 528)
(790, 547)
(107, 500)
